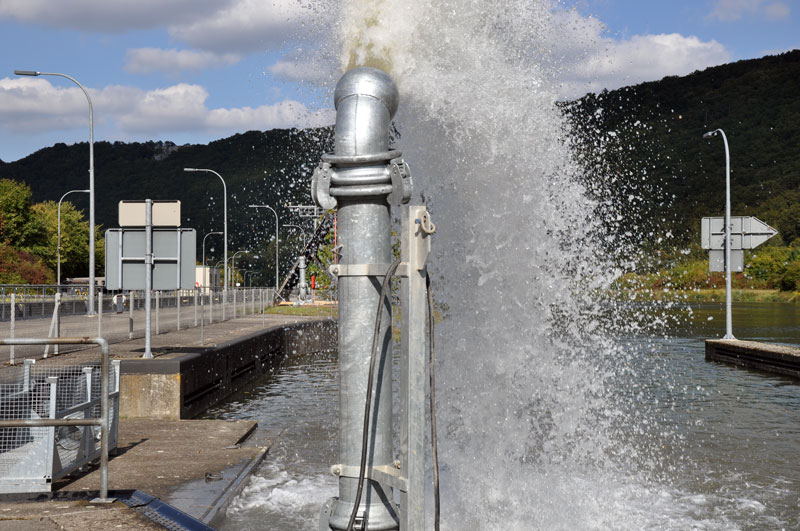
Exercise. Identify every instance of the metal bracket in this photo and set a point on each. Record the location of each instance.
(388, 475)
(402, 184)
(321, 186)
(366, 270)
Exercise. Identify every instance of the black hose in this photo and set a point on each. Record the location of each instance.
(434, 440)
(373, 355)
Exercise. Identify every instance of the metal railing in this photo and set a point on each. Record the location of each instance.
(118, 321)
(29, 456)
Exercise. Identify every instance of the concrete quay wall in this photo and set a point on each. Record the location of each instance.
(779, 359)
(184, 383)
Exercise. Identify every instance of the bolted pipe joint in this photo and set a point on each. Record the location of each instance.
(362, 164)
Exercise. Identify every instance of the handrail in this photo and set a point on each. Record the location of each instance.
(102, 421)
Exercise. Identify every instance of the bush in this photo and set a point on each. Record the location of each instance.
(790, 281)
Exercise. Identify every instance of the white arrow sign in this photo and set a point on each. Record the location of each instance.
(747, 232)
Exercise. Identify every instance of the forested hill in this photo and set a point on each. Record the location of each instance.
(272, 167)
(644, 147)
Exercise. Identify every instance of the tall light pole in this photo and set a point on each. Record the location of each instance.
(233, 260)
(204, 253)
(277, 223)
(224, 220)
(90, 301)
(728, 305)
(58, 246)
(301, 230)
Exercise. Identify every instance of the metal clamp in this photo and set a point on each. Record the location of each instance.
(402, 184)
(321, 186)
(330, 181)
(388, 475)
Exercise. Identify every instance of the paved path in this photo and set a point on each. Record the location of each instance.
(116, 327)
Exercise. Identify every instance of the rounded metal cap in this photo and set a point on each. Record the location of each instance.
(368, 81)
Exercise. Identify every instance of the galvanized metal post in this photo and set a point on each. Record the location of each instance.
(13, 325)
(365, 99)
(130, 313)
(413, 252)
(99, 312)
(57, 310)
(261, 303)
(158, 306)
(195, 307)
(178, 307)
(148, 261)
(26, 373)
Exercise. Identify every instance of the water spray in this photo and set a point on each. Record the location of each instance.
(361, 179)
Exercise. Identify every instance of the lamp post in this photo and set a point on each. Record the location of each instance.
(90, 301)
(233, 260)
(224, 220)
(728, 305)
(277, 223)
(204, 252)
(301, 230)
(58, 246)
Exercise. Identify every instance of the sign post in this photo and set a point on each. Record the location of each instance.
(727, 253)
(143, 255)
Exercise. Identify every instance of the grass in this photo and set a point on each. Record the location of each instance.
(716, 295)
(308, 311)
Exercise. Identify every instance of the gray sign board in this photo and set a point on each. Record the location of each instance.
(716, 260)
(173, 259)
(747, 232)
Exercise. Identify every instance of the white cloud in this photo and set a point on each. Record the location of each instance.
(146, 60)
(777, 11)
(36, 106)
(588, 60)
(304, 66)
(731, 10)
(247, 26)
(108, 16)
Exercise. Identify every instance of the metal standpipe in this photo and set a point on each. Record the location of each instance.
(362, 178)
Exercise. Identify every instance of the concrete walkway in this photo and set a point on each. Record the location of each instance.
(195, 465)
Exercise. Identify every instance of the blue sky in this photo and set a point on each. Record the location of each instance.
(198, 70)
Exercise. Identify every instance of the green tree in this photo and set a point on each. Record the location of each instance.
(74, 238)
(17, 229)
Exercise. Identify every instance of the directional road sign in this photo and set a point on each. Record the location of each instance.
(747, 232)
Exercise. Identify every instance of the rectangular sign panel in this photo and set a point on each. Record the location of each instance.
(747, 232)
(173, 259)
(165, 213)
(716, 261)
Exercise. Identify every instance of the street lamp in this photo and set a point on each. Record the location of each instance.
(233, 259)
(205, 273)
(224, 220)
(277, 223)
(90, 301)
(728, 310)
(301, 230)
(58, 246)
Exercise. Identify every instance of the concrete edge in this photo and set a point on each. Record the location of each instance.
(217, 512)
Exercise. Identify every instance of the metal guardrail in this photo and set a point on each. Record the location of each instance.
(102, 422)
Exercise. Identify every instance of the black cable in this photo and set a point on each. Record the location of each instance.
(434, 440)
(373, 355)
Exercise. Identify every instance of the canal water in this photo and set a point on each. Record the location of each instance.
(708, 446)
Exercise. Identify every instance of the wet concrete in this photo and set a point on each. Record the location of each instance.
(192, 464)
(767, 357)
